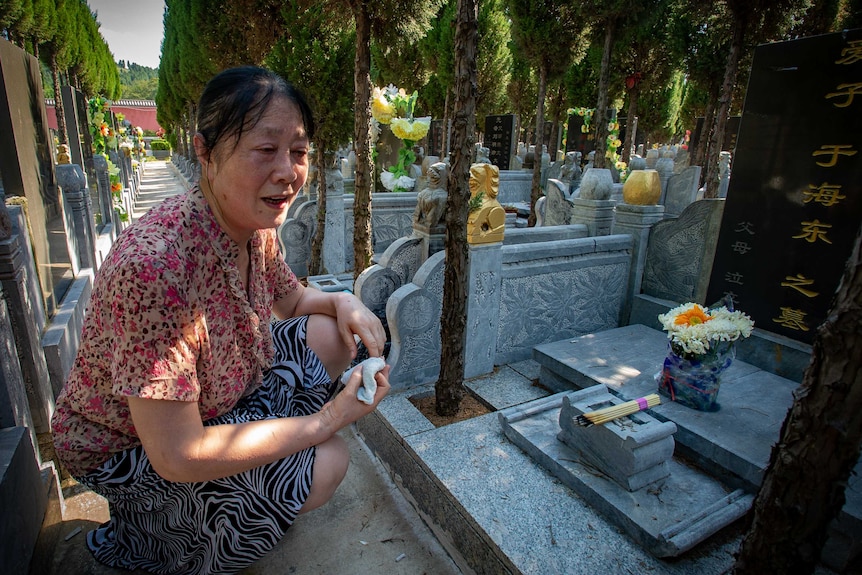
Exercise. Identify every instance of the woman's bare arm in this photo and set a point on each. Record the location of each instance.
(182, 449)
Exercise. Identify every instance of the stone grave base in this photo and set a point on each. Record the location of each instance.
(667, 518)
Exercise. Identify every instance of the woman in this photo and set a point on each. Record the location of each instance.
(207, 426)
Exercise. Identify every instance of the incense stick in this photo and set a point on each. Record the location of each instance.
(601, 416)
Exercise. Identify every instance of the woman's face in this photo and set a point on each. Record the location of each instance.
(256, 182)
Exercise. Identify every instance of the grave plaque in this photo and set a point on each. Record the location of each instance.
(436, 138)
(576, 139)
(500, 139)
(794, 204)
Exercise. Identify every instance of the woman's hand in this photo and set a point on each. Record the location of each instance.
(354, 318)
(345, 408)
(351, 315)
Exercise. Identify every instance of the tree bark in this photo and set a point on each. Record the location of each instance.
(599, 116)
(803, 488)
(315, 265)
(706, 132)
(631, 117)
(59, 109)
(716, 140)
(536, 185)
(556, 112)
(362, 248)
(449, 388)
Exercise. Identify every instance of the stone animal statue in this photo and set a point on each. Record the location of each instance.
(430, 209)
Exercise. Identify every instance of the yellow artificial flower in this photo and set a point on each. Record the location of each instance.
(414, 130)
(381, 109)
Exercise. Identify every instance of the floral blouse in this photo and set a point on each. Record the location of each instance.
(168, 319)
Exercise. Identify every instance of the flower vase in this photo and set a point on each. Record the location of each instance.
(694, 380)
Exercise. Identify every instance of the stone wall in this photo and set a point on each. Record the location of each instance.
(519, 296)
(391, 219)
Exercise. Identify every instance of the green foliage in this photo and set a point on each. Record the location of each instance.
(437, 50)
(318, 58)
(138, 82)
(522, 89)
(475, 202)
(160, 145)
(493, 60)
(549, 34)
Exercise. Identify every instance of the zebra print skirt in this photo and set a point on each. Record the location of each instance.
(224, 525)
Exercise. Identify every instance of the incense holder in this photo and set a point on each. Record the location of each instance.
(633, 450)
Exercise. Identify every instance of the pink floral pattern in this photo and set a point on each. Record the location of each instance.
(168, 319)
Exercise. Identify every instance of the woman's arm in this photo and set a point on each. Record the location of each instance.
(182, 449)
(350, 313)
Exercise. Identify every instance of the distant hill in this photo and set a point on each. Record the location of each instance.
(137, 82)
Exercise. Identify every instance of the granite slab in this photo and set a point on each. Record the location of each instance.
(737, 439)
(667, 518)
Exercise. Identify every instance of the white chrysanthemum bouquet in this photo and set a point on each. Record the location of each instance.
(693, 329)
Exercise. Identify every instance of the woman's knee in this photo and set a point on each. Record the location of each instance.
(331, 460)
(325, 340)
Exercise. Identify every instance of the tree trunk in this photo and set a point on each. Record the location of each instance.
(314, 266)
(556, 112)
(803, 488)
(706, 132)
(536, 186)
(62, 132)
(449, 388)
(362, 248)
(716, 140)
(599, 117)
(631, 122)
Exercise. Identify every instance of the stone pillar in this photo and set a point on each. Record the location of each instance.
(73, 182)
(333, 239)
(483, 307)
(26, 315)
(636, 221)
(597, 215)
(723, 174)
(433, 239)
(664, 167)
(103, 182)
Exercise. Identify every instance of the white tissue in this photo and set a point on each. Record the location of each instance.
(369, 387)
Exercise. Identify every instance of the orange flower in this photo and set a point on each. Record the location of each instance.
(116, 187)
(696, 315)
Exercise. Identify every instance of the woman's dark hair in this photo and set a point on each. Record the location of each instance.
(234, 100)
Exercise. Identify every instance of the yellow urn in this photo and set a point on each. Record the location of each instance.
(642, 188)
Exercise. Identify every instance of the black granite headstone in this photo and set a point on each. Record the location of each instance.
(500, 134)
(436, 138)
(576, 139)
(795, 199)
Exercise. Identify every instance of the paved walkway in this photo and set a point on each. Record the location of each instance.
(368, 527)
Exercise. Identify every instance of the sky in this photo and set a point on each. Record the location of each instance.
(133, 29)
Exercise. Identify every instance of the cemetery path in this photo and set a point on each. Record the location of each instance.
(367, 527)
(158, 182)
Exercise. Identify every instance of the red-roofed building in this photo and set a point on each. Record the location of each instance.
(137, 112)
